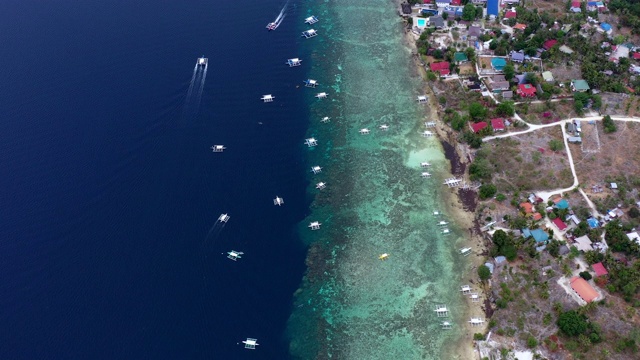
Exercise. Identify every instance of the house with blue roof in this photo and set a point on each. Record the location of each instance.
(498, 64)
(562, 204)
(526, 233)
(593, 223)
(539, 235)
(606, 27)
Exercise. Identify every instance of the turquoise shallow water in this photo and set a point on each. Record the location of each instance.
(351, 305)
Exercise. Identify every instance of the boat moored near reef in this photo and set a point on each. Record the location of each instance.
(202, 61)
(271, 26)
(310, 83)
(309, 33)
(294, 62)
(322, 95)
(311, 20)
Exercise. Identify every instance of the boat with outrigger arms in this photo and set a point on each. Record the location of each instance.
(271, 26)
(202, 61)
(309, 33)
(311, 20)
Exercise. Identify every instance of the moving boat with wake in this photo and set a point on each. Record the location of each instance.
(274, 25)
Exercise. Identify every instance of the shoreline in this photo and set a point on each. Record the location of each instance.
(461, 205)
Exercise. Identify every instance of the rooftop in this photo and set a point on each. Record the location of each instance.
(560, 224)
(580, 85)
(584, 290)
(539, 235)
(599, 269)
(476, 127)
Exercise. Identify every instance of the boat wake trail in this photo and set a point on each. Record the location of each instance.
(194, 94)
(274, 25)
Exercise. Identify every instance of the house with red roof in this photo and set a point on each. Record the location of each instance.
(560, 224)
(636, 56)
(599, 269)
(497, 124)
(537, 216)
(510, 15)
(456, 2)
(527, 207)
(549, 44)
(476, 127)
(520, 26)
(583, 289)
(526, 90)
(440, 67)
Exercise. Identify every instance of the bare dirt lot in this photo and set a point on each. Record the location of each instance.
(618, 160)
(525, 162)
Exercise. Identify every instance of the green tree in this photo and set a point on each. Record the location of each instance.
(572, 323)
(634, 212)
(508, 70)
(469, 12)
(556, 145)
(484, 273)
(609, 125)
(506, 108)
(477, 111)
(487, 191)
(585, 275)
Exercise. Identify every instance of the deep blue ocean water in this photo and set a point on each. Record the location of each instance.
(109, 192)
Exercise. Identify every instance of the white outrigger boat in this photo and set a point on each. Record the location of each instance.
(218, 148)
(314, 225)
(465, 251)
(224, 218)
(311, 142)
(321, 185)
(325, 119)
(234, 255)
(476, 321)
(384, 127)
(322, 95)
(441, 311)
(278, 201)
(427, 133)
(294, 62)
(311, 20)
(364, 131)
(424, 164)
(442, 223)
(267, 98)
(309, 33)
(425, 175)
(310, 83)
(316, 169)
(250, 343)
(445, 231)
(422, 99)
(202, 61)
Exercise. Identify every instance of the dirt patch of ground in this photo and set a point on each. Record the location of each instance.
(525, 162)
(618, 160)
(564, 73)
(467, 69)
(546, 112)
(616, 104)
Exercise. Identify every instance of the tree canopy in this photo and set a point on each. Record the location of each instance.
(573, 324)
(469, 12)
(484, 273)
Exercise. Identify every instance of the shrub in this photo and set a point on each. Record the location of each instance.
(484, 273)
(532, 342)
(478, 336)
(556, 145)
(586, 275)
(572, 323)
(487, 191)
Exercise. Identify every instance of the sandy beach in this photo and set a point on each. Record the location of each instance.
(461, 206)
